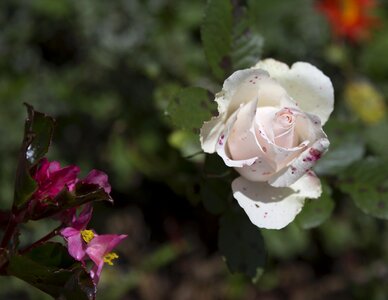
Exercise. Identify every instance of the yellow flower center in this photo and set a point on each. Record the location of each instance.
(350, 11)
(87, 235)
(109, 257)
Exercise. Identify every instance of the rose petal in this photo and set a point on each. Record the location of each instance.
(242, 145)
(265, 137)
(221, 147)
(308, 186)
(237, 89)
(300, 165)
(240, 88)
(266, 206)
(306, 84)
(210, 133)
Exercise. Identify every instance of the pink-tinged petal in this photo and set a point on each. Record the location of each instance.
(54, 166)
(237, 89)
(243, 147)
(42, 171)
(306, 84)
(99, 178)
(101, 245)
(95, 272)
(241, 142)
(76, 247)
(69, 231)
(82, 220)
(64, 177)
(222, 148)
(267, 206)
(266, 137)
(52, 179)
(301, 165)
(75, 244)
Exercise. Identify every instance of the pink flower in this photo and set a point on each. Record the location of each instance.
(99, 251)
(52, 179)
(76, 235)
(83, 243)
(99, 178)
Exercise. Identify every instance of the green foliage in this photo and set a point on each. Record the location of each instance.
(37, 138)
(214, 194)
(217, 34)
(247, 44)
(242, 245)
(316, 211)
(375, 140)
(190, 108)
(289, 33)
(287, 242)
(367, 184)
(346, 147)
(50, 269)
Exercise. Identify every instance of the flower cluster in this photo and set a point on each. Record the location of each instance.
(269, 129)
(82, 243)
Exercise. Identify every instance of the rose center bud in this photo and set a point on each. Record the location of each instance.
(284, 129)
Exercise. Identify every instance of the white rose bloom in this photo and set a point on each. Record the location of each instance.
(269, 129)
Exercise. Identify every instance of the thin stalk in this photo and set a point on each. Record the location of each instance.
(9, 231)
(41, 241)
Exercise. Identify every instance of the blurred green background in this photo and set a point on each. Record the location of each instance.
(107, 69)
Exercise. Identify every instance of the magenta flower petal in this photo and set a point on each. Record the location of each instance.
(102, 245)
(76, 247)
(99, 178)
(51, 179)
(69, 231)
(82, 220)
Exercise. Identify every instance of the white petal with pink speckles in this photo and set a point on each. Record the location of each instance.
(306, 84)
(274, 208)
(301, 165)
(239, 88)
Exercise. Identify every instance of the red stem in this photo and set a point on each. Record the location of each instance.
(10, 230)
(44, 239)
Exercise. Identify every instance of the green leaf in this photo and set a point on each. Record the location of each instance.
(242, 245)
(214, 194)
(286, 243)
(50, 269)
(375, 136)
(191, 107)
(316, 211)
(215, 167)
(346, 147)
(217, 35)
(247, 44)
(38, 134)
(367, 184)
